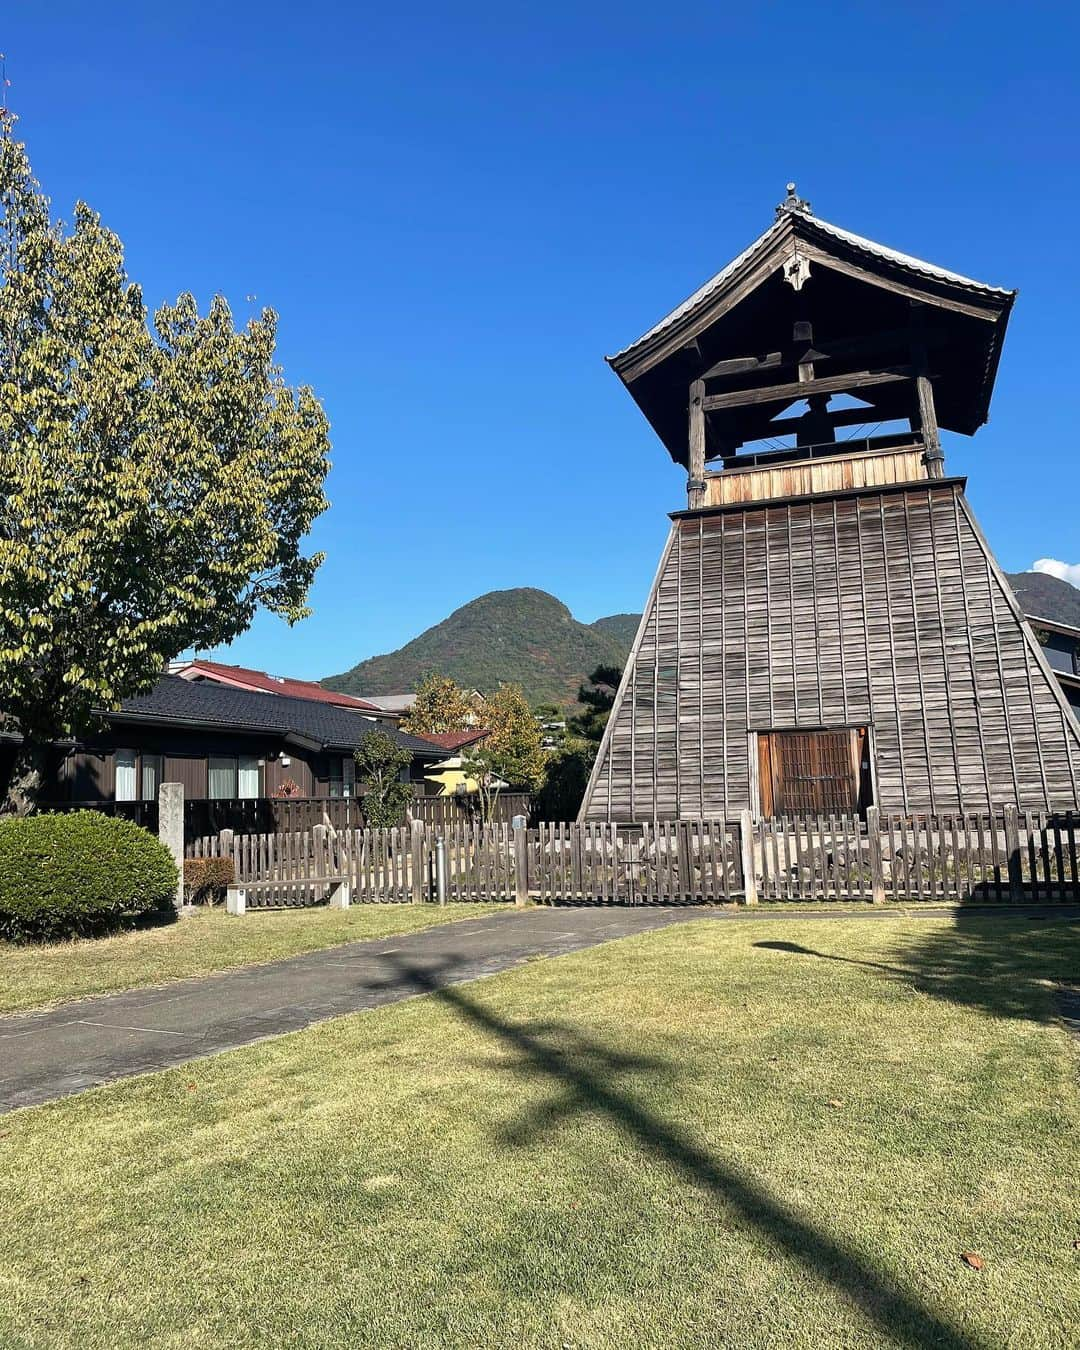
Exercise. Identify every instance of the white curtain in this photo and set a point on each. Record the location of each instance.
(125, 775)
(151, 777)
(248, 776)
(222, 777)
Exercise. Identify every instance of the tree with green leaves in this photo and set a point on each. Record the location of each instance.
(380, 762)
(511, 754)
(597, 697)
(441, 706)
(156, 482)
(569, 768)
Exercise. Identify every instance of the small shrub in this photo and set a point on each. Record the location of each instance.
(206, 879)
(78, 874)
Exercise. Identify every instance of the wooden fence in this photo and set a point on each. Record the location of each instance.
(1007, 856)
(672, 862)
(205, 816)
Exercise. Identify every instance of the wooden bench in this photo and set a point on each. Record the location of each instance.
(236, 896)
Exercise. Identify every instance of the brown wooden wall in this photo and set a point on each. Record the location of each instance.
(882, 609)
(801, 478)
(89, 772)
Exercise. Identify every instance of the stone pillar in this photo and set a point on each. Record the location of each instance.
(171, 831)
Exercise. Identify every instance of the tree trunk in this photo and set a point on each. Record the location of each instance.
(27, 779)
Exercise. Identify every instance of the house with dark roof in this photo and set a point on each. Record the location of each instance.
(260, 682)
(223, 742)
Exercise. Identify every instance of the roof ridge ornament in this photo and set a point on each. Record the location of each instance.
(793, 204)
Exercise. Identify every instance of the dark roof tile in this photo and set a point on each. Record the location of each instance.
(185, 702)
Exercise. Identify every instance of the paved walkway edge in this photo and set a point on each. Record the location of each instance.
(83, 1044)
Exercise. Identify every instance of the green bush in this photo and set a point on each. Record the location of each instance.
(78, 874)
(207, 879)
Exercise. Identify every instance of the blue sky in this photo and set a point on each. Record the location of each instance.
(457, 210)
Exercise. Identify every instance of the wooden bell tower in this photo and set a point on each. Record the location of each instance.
(828, 628)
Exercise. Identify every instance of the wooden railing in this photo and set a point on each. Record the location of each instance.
(664, 862)
(205, 816)
(1006, 856)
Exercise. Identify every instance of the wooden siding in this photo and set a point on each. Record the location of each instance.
(88, 773)
(883, 610)
(813, 476)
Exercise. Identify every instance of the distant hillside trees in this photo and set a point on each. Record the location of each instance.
(521, 636)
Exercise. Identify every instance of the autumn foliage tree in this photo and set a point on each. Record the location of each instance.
(156, 481)
(511, 753)
(441, 706)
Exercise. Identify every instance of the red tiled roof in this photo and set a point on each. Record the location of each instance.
(241, 677)
(455, 740)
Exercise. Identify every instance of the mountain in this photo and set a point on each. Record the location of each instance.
(1046, 597)
(521, 636)
(622, 627)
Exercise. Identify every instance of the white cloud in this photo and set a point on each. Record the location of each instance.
(1069, 572)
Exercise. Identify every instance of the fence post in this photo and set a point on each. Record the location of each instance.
(749, 867)
(417, 861)
(171, 832)
(521, 861)
(877, 870)
(1012, 852)
(319, 849)
(440, 869)
(225, 843)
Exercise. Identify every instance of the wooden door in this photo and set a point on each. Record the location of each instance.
(811, 772)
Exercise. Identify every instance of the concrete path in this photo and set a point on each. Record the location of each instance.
(96, 1040)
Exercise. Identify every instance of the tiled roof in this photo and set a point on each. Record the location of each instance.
(259, 680)
(809, 225)
(455, 740)
(393, 702)
(175, 701)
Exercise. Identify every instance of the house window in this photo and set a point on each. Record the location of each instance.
(222, 777)
(343, 777)
(248, 776)
(151, 777)
(125, 776)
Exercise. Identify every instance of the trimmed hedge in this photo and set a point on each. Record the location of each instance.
(207, 879)
(69, 875)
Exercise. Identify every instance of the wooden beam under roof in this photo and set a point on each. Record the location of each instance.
(744, 365)
(788, 393)
(873, 344)
(842, 417)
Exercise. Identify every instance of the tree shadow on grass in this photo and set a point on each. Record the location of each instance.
(1003, 965)
(587, 1074)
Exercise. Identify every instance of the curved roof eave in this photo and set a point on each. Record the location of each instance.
(798, 223)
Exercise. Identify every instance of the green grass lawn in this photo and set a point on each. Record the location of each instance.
(208, 940)
(737, 1135)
